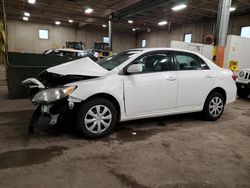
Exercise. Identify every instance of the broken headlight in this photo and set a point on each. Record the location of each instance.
(50, 95)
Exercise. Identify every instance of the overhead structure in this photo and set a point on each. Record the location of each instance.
(143, 13)
(222, 27)
(110, 33)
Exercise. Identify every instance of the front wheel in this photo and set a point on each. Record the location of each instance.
(243, 93)
(97, 118)
(214, 106)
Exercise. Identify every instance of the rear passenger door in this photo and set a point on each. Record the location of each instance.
(195, 80)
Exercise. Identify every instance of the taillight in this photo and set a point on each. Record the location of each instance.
(234, 77)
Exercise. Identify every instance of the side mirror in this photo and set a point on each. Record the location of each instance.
(135, 68)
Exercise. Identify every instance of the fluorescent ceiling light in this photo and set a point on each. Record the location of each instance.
(25, 18)
(163, 23)
(232, 9)
(88, 10)
(104, 25)
(57, 22)
(133, 29)
(31, 1)
(179, 7)
(71, 21)
(26, 14)
(130, 21)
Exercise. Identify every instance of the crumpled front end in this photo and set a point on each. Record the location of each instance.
(52, 90)
(52, 101)
(51, 95)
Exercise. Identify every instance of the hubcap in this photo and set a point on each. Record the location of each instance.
(98, 119)
(216, 106)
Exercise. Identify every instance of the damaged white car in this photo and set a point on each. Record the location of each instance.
(138, 83)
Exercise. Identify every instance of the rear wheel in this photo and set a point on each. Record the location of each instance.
(243, 93)
(214, 106)
(97, 118)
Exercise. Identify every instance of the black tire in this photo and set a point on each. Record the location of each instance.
(38, 123)
(82, 114)
(207, 110)
(243, 93)
(34, 119)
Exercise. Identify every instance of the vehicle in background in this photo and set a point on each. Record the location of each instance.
(73, 53)
(135, 84)
(76, 45)
(243, 83)
(102, 48)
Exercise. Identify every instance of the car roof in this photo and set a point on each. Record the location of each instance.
(68, 50)
(143, 50)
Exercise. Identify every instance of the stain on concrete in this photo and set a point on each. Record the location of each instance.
(127, 180)
(246, 112)
(125, 134)
(238, 108)
(15, 118)
(26, 157)
(166, 144)
(190, 185)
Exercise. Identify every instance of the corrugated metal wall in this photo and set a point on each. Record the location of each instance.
(23, 37)
(162, 38)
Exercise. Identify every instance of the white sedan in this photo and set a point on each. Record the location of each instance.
(134, 84)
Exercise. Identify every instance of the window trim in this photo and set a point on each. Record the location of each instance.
(145, 43)
(187, 34)
(177, 67)
(39, 34)
(241, 30)
(173, 67)
(107, 37)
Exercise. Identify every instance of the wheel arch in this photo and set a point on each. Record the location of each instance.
(221, 91)
(109, 97)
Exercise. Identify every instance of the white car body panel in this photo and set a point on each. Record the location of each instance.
(150, 94)
(84, 66)
(158, 87)
(190, 96)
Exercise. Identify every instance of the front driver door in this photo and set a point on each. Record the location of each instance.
(154, 90)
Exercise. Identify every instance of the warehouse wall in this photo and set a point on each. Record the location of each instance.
(23, 37)
(162, 37)
(121, 40)
(90, 35)
(236, 22)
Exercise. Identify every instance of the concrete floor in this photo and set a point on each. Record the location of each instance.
(176, 151)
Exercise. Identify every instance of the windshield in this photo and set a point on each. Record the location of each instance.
(115, 60)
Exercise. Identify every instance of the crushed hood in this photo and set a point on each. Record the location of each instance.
(84, 66)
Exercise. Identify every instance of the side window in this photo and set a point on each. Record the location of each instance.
(186, 61)
(156, 62)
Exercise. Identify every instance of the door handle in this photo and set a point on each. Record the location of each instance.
(171, 78)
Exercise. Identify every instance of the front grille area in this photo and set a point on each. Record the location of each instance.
(53, 80)
(247, 76)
